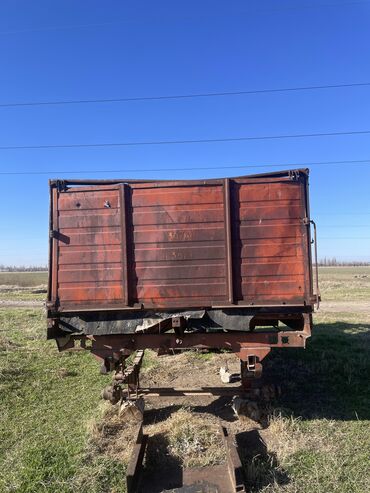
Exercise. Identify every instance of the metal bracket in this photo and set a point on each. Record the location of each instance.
(294, 175)
(61, 185)
(318, 297)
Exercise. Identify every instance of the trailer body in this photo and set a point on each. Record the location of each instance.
(136, 249)
(220, 263)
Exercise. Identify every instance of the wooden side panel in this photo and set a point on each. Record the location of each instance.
(268, 238)
(182, 245)
(179, 245)
(89, 236)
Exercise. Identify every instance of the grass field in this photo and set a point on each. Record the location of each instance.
(23, 279)
(345, 283)
(23, 286)
(56, 435)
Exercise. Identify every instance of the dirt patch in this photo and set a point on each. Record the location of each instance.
(113, 437)
(345, 307)
(42, 288)
(7, 344)
(185, 432)
(192, 370)
(20, 303)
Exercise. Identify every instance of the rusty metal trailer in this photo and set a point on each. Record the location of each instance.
(219, 263)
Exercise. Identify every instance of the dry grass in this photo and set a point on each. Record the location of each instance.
(345, 283)
(285, 436)
(25, 279)
(316, 439)
(192, 439)
(23, 286)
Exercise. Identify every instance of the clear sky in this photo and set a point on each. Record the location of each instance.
(68, 50)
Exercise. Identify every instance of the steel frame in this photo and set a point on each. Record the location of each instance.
(250, 347)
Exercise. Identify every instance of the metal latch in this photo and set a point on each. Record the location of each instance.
(294, 175)
(61, 185)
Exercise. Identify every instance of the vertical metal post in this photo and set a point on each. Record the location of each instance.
(124, 190)
(316, 265)
(50, 252)
(55, 247)
(228, 241)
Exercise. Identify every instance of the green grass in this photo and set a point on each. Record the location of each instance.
(318, 436)
(47, 401)
(324, 410)
(345, 283)
(333, 368)
(21, 295)
(21, 286)
(23, 278)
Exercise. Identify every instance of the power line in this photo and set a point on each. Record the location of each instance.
(345, 214)
(119, 22)
(190, 141)
(182, 96)
(344, 225)
(343, 238)
(193, 168)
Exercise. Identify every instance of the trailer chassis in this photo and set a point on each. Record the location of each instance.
(250, 347)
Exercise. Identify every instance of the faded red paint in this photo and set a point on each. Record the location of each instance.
(242, 241)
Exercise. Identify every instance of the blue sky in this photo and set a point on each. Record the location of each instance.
(64, 50)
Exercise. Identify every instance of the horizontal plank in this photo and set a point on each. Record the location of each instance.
(179, 235)
(110, 218)
(178, 244)
(272, 269)
(180, 302)
(156, 254)
(185, 291)
(197, 208)
(166, 304)
(89, 212)
(268, 222)
(177, 196)
(278, 231)
(81, 238)
(90, 256)
(180, 282)
(143, 228)
(90, 284)
(261, 251)
(246, 213)
(272, 288)
(93, 188)
(273, 299)
(266, 242)
(269, 192)
(88, 200)
(90, 293)
(250, 261)
(151, 273)
(92, 274)
(178, 217)
(187, 263)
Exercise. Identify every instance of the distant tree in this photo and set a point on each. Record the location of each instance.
(23, 268)
(333, 262)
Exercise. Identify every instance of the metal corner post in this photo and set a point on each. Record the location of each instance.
(228, 241)
(124, 192)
